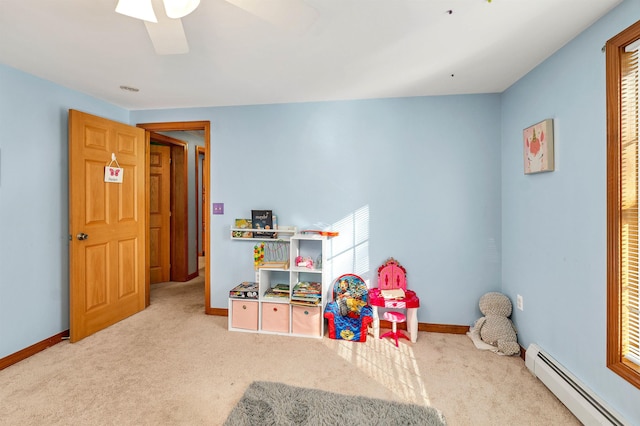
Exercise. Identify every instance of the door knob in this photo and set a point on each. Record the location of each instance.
(82, 236)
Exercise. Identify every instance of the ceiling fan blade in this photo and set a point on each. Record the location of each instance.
(180, 8)
(167, 35)
(137, 9)
(291, 15)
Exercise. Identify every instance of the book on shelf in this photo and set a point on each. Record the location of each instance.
(271, 294)
(304, 303)
(243, 224)
(245, 290)
(313, 298)
(262, 219)
(305, 287)
(306, 293)
(281, 288)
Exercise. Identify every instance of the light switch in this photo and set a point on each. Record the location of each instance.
(218, 208)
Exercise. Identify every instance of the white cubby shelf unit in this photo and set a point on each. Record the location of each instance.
(281, 315)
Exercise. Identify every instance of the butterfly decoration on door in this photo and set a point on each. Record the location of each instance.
(113, 174)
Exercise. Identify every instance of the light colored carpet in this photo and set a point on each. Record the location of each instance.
(173, 365)
(270, 403)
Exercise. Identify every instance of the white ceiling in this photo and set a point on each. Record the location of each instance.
(355, 49)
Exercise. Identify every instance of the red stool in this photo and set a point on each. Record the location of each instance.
(394, 318)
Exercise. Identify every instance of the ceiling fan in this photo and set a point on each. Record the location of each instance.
(167, 33)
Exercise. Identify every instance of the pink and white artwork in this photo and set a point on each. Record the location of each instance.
(538, 147)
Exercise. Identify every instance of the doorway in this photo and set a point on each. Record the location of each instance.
(169, 217)
(155, 132)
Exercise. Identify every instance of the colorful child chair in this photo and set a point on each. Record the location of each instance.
(349, 314)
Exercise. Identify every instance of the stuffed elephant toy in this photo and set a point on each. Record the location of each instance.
(495, 328)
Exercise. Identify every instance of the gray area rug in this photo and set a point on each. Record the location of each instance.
(269, 403)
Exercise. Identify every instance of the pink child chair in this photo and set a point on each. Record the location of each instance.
(394, 318)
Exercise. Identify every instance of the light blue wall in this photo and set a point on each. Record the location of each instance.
(554, 224)
(421, 174)
(424, 170)
(34, 271)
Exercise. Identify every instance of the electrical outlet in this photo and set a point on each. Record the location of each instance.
(520, 302)
(218, 208)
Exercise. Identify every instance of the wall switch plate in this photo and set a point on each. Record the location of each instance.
(218, 208)
(520, 303)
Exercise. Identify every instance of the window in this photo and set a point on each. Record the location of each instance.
(623, 304)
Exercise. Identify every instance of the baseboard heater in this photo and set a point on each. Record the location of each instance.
(580, 400)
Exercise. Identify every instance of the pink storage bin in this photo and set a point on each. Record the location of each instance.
(305, 320)
(275, 317)
(244, 314)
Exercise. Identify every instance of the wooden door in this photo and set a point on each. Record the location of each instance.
(201, 191)
(159, 213)
(179, 215)
(107, 224)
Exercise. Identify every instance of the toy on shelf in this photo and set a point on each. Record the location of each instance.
(304, 262)
(276, 251)
(258, 255)
(321, 233)
(271, 255)
(320, 229)
(244, 290)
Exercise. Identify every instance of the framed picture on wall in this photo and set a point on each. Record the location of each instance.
(538, 147)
